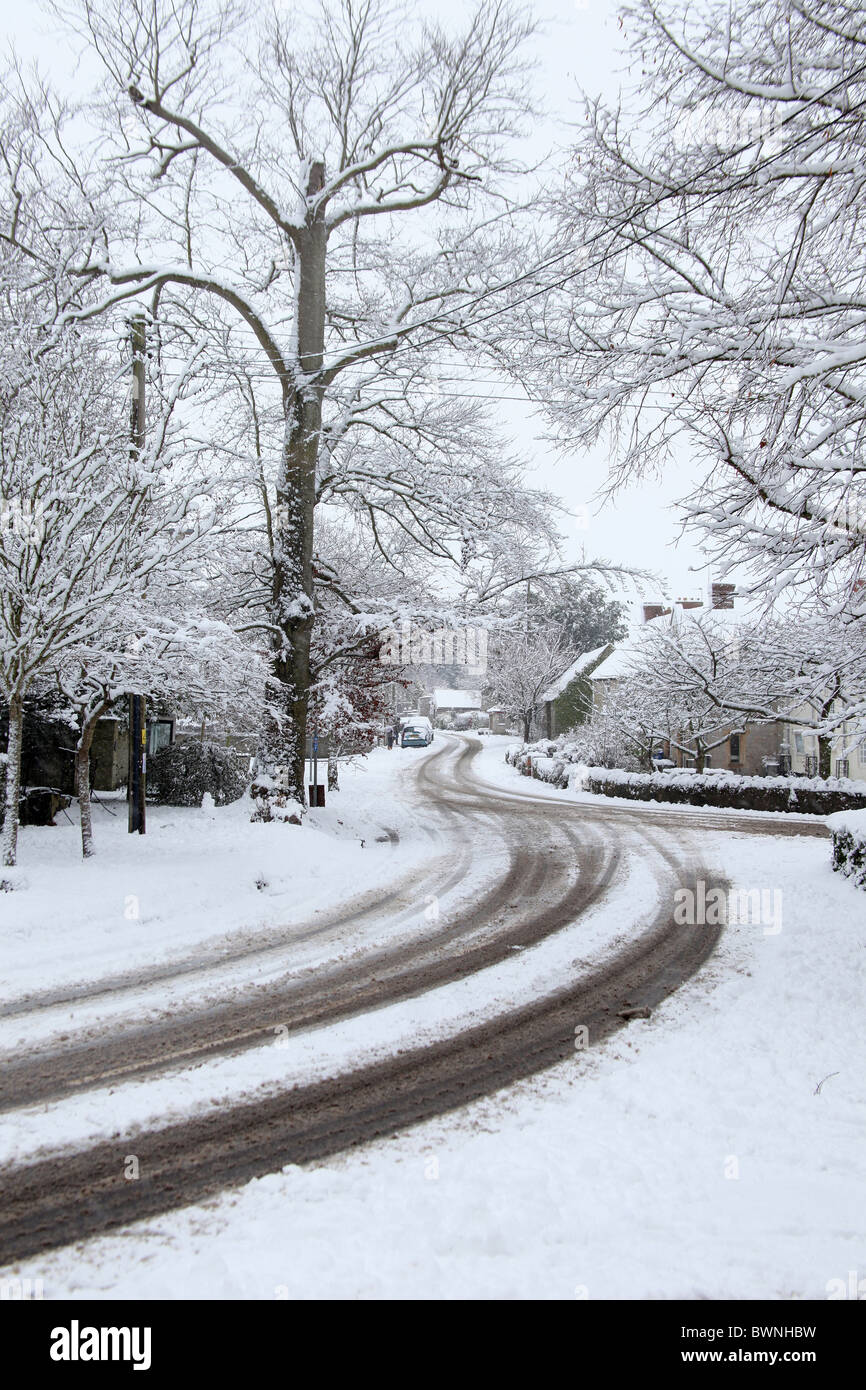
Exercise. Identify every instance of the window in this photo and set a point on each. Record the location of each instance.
(841, 767)
(798, 743)
(735, 748)
(811, 765)
(159, 735)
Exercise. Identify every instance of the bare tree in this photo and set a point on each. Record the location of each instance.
(524, 662)
(803, 669)
(86, 520)
(268, 164)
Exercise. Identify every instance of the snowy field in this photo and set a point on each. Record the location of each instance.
(712, 1151)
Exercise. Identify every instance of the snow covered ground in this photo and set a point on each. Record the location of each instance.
(712, 1151)
(199, 877)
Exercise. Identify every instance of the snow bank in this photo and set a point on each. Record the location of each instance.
(202, 877)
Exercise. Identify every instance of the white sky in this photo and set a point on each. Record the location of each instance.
(581, 46)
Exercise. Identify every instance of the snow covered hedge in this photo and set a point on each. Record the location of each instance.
(182, 774)
(550, 762)
(848, 833)
(807, 795)
(545, 760)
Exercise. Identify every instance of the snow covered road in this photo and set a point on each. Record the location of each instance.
(549, 920)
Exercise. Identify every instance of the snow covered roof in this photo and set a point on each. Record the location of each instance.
(622, 659)
(584, 662)
(457, 699)
(617, 665)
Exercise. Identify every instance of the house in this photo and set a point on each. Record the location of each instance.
(448, 701)
(762, 749)
(802, 755)
(568, 701)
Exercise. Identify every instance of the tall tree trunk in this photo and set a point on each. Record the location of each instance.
(82, 779)
(278, 788)
(13, 782)
(825, 756)
(825, 743)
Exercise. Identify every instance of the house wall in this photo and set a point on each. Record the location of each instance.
(570, 708)
(109, 756)
(759, 751)
(804, 751)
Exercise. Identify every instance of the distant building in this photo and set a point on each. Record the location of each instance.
(498, 719)
(447, 701)
(766, 748)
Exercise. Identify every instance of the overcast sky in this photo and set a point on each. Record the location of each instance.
(581, 47)
(584, 48)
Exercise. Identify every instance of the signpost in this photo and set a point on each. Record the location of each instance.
(317, 746)
(137, 785)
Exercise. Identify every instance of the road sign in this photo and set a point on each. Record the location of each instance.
(317, 746)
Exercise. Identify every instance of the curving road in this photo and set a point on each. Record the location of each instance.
(561, 859)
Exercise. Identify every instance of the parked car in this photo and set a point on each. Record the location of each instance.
(417, 734)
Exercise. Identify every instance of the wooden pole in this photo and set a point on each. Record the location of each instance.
(137, 790)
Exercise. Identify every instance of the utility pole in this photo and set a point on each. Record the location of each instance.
(136, 792)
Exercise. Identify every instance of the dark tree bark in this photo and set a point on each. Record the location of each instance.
(292, 607)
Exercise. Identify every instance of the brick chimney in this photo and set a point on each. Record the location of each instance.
(722, 595)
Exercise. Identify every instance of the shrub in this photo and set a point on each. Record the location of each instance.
(807, 795)
(848, 833)
(558, 763)
(184, 773)
(540, 760)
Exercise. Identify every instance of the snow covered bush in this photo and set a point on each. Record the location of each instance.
(555, 760)
(807, 795)
(184, 773)
(543, 760)
(560, 763)
(848, 832)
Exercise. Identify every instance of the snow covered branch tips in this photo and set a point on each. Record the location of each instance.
(710, 283)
